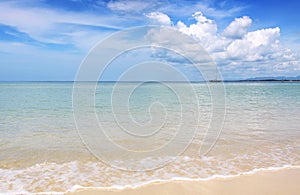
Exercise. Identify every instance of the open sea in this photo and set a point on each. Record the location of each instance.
(54, 140)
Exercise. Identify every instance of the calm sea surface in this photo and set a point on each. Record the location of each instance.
(51, 141)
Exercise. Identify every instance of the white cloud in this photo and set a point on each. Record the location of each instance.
(257, 45)
(255, 52)
(160, 18)
(235, 47)
(238, 27)
(205, 30)
(50, 26)
(183, 45)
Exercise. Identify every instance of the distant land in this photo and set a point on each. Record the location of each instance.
(277, 78)
(263, 79)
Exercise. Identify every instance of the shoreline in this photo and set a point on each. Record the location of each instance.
(161, 186)
(264, 181)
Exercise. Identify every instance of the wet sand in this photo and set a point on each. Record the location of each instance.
(284, 181)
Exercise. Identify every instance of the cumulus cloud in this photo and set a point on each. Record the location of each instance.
(238, 27)
(159, 18)
(238, 48)
(205, 30)
(256, 45)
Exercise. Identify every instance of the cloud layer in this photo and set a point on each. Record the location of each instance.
(237, 50)
(35, 31)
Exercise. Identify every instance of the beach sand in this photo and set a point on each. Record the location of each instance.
(284, 181)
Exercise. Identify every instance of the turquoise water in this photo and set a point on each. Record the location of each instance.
(46, 147)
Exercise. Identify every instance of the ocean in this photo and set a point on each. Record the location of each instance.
(61, 136)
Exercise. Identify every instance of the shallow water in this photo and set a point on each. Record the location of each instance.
(160, 128)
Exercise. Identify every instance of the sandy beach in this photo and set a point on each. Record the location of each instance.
(135, 97)
(285, 181)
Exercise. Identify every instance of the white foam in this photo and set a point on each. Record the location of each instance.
(71, 176)
(119, 187)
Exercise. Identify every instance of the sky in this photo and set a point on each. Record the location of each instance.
(47, 40)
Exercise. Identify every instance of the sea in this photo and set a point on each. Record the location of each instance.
(56, 137)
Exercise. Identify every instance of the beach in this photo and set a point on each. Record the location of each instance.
(284, 181)
(136, 97)
(43, 151)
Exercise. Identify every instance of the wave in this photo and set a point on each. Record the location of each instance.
(119, 187)
(52, 178)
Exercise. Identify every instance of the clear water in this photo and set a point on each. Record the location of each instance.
(41, 149)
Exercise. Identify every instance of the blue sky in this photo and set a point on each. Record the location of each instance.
(43, 40)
